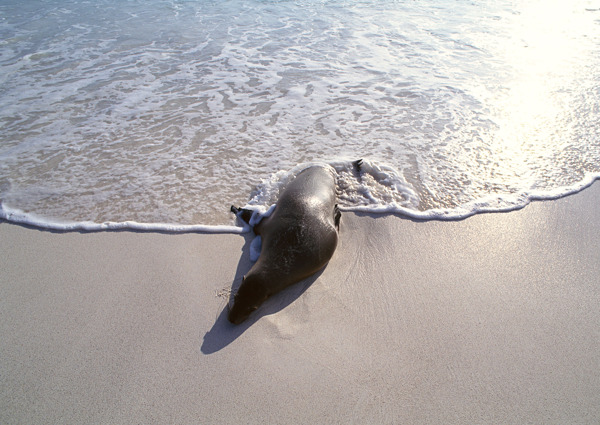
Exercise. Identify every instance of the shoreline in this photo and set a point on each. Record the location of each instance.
(479, 206)
(488, 319)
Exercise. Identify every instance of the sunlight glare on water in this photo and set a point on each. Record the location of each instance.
(535, 109)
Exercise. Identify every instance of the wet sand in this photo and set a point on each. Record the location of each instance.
(491, 319)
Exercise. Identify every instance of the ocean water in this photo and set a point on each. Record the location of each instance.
(161, 114)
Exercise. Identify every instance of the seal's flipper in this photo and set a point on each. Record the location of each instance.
(337, 214)
(242, 213)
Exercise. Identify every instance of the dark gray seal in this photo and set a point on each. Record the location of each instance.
(298, 239)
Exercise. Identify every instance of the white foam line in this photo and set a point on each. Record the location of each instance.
(521, 200)
(19, 217)
(480, 206)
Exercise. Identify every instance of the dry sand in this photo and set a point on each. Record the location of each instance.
(492, 319)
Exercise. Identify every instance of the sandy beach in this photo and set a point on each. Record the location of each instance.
(492, 319)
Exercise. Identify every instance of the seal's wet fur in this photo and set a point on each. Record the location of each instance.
(298, 239)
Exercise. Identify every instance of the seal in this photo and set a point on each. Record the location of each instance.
(298, 239)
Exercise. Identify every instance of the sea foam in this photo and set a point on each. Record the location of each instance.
(375, 189)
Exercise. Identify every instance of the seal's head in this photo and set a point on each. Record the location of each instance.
(249, 297)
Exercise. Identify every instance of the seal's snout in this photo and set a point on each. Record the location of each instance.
(250, 295)
(231, 315)
(238, 314)
(234, 320)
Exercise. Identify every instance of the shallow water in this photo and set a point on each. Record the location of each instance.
(170, 111)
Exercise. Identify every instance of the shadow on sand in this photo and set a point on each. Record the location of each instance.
(223, 332)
